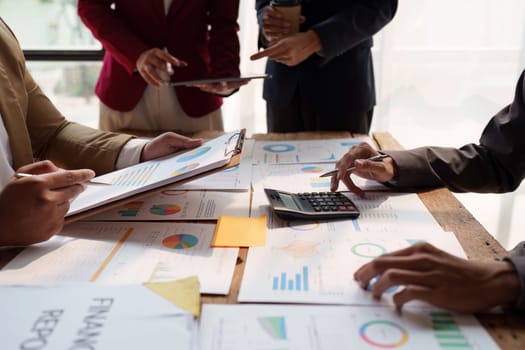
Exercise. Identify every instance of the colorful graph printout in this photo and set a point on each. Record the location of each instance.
(274, 326)
(184, 169)
(194, 154)
(180, 241)
(316, 327)
(279, 148)
(136, 177)
(131, 209)
(149, 175)
(368, 250)
(383, 334)
(312, 169)
(165, 209)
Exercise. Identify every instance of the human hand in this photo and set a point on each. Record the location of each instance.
(32, 209)
(224, 88)
(167, 143)
(357, 156)
(446, 281)
(293, 49)
(153, 61)
(275, 26)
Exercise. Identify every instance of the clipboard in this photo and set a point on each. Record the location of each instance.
(119, 187)
(218, 80)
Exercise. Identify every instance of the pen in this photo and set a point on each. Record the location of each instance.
(21, 175)
(169, 67)
(377, 158)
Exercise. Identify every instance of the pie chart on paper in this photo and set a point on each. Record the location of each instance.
(164, 209)
(180, 241)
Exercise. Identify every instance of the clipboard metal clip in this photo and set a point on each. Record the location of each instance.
(234, 144)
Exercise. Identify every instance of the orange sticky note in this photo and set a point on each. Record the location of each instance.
(235, 231)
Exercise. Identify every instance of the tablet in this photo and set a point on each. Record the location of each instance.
(218, 80)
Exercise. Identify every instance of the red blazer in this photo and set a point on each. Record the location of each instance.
(132, 26)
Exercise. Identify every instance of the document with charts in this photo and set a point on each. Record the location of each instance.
(314, 262)
(394, 213)
(89, 316)
(303, 178)
(175, 204)
(305, 151)
(124, 253)
(163, 171)
(236, 178)
(321, 327)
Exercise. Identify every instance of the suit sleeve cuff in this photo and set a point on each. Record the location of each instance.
(519, 265)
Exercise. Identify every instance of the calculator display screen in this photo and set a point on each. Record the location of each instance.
(288, 201)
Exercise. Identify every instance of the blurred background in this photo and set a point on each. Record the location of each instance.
(443, 69)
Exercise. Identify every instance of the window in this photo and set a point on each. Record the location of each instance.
(61, 53)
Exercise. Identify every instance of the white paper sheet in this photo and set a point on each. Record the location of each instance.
(92, 317)
(379, 212)
(236, 178)
(176, 204)
(307, 151)
(303, 178)
(308, 327)
(123, 253)
(315, 262)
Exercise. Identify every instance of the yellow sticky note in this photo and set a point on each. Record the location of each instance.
(185, 293)
(234, 231)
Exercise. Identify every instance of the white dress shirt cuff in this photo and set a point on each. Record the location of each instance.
(130, 153)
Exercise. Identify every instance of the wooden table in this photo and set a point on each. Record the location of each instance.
(508, 328)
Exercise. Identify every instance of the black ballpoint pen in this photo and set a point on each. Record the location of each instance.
(377, 158)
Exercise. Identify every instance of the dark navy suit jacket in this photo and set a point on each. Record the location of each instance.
(343, 79)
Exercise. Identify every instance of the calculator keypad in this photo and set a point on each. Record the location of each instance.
(327, 201)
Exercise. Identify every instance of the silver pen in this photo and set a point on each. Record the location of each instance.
(93, 182)
(377, 158)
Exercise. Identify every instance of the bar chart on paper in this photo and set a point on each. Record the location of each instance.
(292, 282)
(314, 263)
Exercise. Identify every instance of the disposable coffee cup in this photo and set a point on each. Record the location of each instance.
(291, 11)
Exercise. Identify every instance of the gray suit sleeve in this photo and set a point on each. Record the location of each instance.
(517, 258)
(495, 165)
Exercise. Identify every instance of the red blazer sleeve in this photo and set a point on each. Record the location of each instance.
(224, 42)
(112, 31)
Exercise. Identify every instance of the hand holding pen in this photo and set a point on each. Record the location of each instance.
(156, 66)
(376, 158)
(34, 206)
(364, 161)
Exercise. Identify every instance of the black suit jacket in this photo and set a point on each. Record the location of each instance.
(343, 78)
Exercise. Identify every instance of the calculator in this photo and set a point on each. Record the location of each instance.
(311, 205)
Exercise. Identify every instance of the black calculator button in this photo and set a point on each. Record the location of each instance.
(317, 208)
